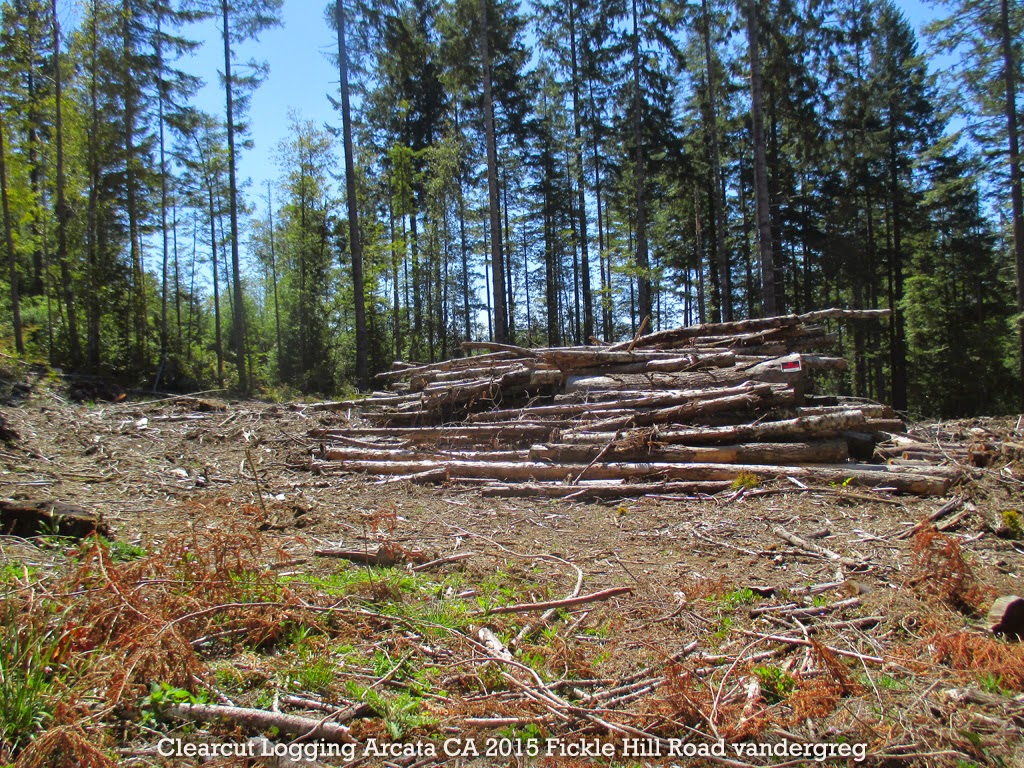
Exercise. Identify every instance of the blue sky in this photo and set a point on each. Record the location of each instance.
(301, 75)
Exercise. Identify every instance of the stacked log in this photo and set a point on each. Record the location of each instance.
(691, 410)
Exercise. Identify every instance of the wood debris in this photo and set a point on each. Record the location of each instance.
(687, 410)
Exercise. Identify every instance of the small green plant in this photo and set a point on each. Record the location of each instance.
(722, 629)
(819, 601)
(316, 676)
(1013, 523)
(164, 693)
(732, 600)
(745, 481)
(891, 683)
(776, 685)
(993, 683)
(125, 552)
(400, 713)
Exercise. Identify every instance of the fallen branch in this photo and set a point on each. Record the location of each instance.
(807, 546)
(568, 602)
(261, 719)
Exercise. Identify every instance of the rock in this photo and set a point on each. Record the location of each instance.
(1006, 617)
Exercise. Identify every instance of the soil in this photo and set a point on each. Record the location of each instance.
(895, 655)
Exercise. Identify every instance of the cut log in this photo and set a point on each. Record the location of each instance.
(597, 490)
(818, 452)
(751, 396)
(870, 410)
(346, 453)
(674, 364)
(804, 427)
(861, 475)
(660, 400)
(521, 433)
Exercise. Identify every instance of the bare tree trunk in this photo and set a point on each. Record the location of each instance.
(236, 267)
(1016, 198)
(164, 335)
(764, 226)
(63, 210)
(497, 259)
(273, 276)
(12, 263)
(354, 238)
(588, 299)
(717, 191)
(642, 260)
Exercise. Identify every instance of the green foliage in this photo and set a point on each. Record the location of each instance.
(401, 712)
(776, 685)
(28, 670)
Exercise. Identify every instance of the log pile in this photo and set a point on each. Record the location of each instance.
(690, 410)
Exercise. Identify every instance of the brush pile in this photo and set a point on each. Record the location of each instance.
(691, 410)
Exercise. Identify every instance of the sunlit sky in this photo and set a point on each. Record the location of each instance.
(301, 76)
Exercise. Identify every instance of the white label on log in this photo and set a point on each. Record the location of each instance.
(792, 365)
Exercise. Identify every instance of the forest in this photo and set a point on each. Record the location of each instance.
(536, 172)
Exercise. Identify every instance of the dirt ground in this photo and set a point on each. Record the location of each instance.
(730, 635)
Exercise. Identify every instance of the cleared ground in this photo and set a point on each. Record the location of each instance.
(731, 635)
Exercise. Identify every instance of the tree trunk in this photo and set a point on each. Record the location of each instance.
(588, 299)
(12, 263)
(1016, 197)
(63, 210)
(769, 304)
(164, 335)
(236, 267)
(497, 259)
(132, 206)
(273, 277)
(355, 239)
(642, 259)
(718, 186)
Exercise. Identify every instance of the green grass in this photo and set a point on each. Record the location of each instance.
(28, 654)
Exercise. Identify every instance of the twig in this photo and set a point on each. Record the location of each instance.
(442, 561)
(945, 509)
(805, 643)
(256, 477)
(639, 333)
(807, 546)
(566, 603)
